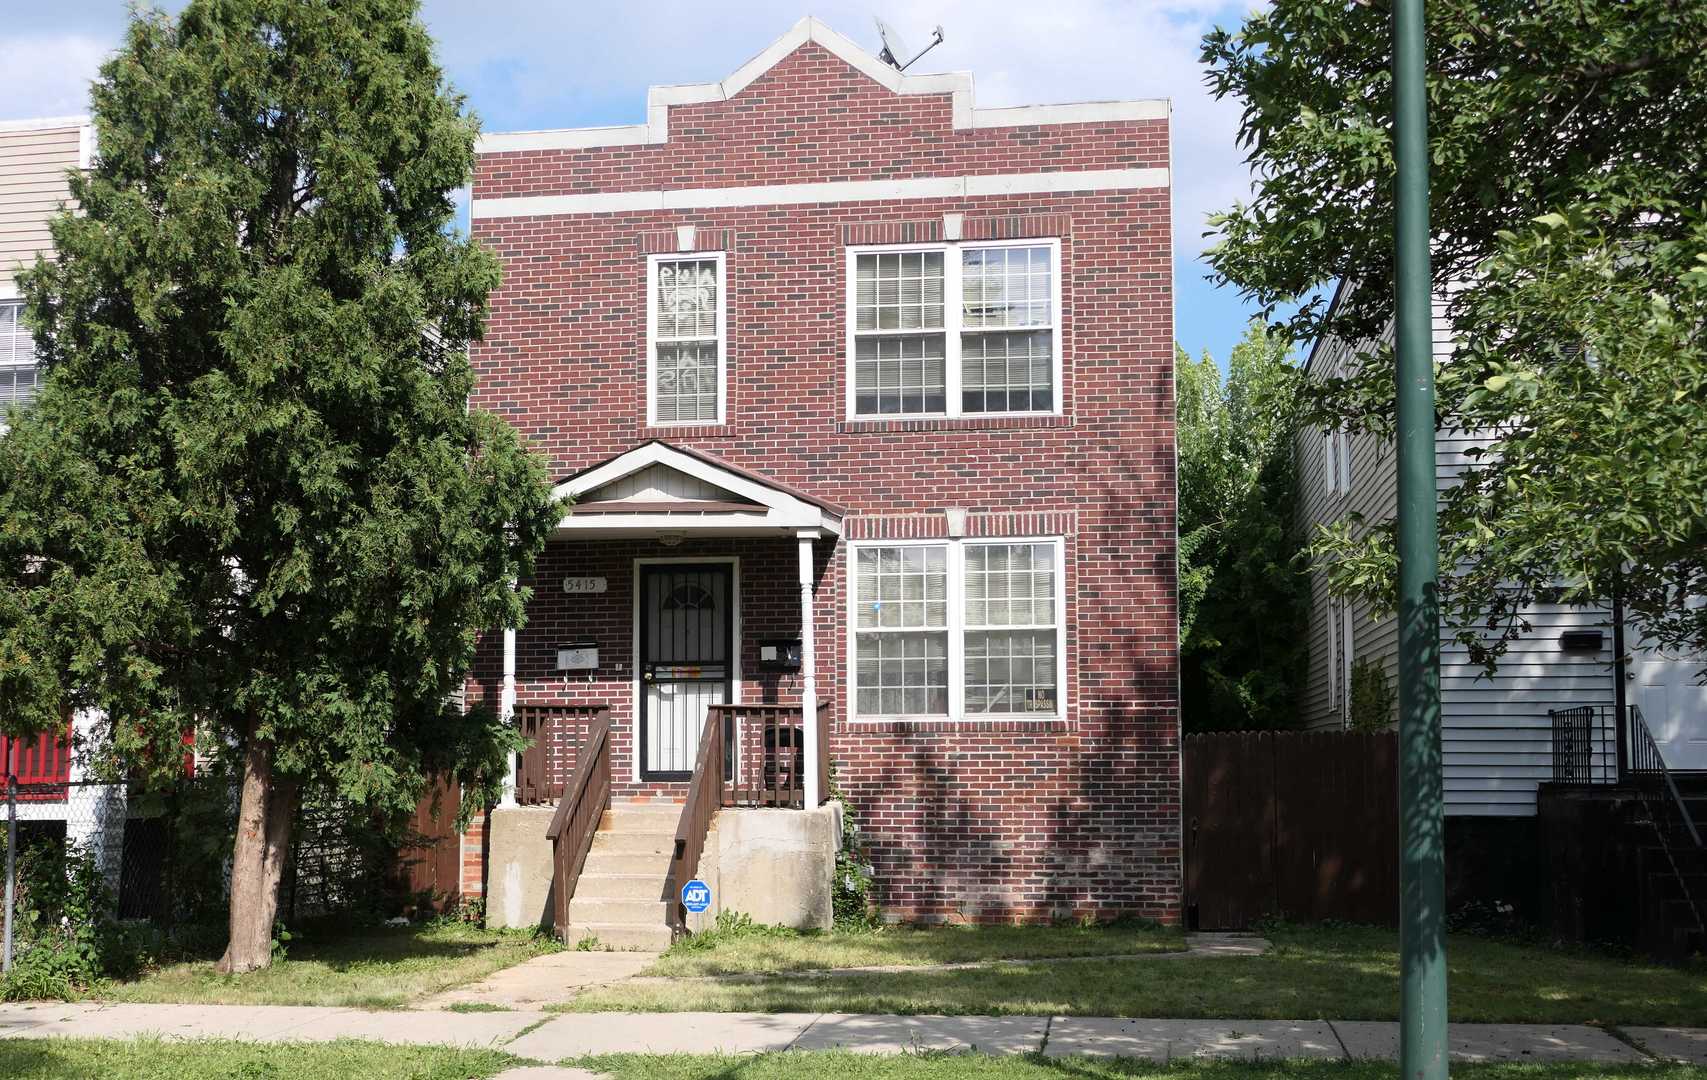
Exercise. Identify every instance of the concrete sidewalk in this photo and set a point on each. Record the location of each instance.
(550, 1037)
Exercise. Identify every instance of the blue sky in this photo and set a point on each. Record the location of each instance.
(548, 63)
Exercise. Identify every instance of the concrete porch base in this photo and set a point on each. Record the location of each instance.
(775, 865)
(518, 868)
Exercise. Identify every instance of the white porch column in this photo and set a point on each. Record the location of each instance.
(507, 711)
(808, 670)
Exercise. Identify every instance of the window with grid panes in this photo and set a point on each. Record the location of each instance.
(901, 631)
(1010, 628)
(19, 376)
(992, 347)
(1000, 657)
(687, 341)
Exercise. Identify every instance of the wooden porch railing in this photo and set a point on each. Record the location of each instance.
(553, 733)
(705, 795)
(585, 799)
(750, 756)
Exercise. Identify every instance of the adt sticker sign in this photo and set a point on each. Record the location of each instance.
(696, 896)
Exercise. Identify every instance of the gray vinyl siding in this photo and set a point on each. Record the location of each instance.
(1371, 494)
(33, 165)
(1496, 733)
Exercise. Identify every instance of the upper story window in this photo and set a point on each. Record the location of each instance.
(19, 376)
(685, 339)
(958, 629)
(1336, 461)
(957, 329)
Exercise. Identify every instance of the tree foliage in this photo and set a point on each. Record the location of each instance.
(1241, 596)
(251, 500)
(1570, 217)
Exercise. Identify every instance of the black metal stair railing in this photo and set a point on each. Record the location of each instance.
(1660, 798)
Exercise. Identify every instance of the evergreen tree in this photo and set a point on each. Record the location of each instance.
(251, 500)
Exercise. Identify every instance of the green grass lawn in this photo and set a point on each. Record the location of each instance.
(1338, 973)
(835, 1066)
(768, 949)
(149, 1059)
(378, 967)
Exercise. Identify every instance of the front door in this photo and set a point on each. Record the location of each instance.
(1673, 702)
(686, 640)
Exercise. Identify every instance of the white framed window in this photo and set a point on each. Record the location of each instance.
(958, 629)
(686, 339)
(954, 329)
(19, 375)
(1336, 461)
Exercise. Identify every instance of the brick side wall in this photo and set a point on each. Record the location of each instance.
(971, 819)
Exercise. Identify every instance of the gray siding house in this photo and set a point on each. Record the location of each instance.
(1498, 732)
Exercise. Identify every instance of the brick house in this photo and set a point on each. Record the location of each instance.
(865, 399)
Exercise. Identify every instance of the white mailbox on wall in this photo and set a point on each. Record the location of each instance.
(578, 656)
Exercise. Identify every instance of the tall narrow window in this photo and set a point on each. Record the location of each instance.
(18, 374)
(956, 329)
(686, 339)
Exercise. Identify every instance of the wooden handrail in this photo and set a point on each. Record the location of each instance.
(705, 795)
(585, 799)
(824, 714)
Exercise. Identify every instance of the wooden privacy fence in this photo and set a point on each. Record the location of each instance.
(1291, 824)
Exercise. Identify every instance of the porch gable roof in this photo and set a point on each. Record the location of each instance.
(657, 487)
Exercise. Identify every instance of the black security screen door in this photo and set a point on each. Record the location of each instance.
(686, 641)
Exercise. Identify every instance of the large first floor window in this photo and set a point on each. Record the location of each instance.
(18, 374)
(963, 628)
(956, 329)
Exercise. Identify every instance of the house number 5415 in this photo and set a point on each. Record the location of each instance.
(584, 584)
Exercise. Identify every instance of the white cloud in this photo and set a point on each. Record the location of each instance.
(48, 74)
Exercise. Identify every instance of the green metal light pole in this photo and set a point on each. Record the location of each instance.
(1422, 864)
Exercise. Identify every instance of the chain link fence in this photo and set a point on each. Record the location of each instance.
(158, 860)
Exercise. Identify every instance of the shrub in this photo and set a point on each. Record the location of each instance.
(1372, 698)
(67, 940)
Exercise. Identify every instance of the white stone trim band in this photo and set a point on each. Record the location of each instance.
(923, 187)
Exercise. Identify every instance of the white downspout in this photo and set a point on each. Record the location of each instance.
(808, 671)
(507, 711)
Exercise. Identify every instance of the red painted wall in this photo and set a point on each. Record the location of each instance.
(975, 819)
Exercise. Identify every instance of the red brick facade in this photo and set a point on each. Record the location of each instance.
(989, 820)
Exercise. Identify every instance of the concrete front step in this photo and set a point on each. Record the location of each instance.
(631, 842)
(602, 886)
(590, 909)
(648, 817)
(655, 863)
(623, 937)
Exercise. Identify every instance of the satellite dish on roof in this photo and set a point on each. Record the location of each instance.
(894, 49)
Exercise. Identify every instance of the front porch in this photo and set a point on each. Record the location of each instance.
(668, 671)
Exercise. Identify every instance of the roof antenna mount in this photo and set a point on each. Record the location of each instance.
(894, 49)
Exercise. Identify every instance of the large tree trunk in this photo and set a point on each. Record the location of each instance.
(264, 813)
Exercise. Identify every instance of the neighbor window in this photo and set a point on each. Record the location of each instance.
(18, 374)
(685, 340)
(958, 628)
(955, 330)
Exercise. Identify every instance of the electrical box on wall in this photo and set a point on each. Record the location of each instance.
(779, 654)
(578, 656)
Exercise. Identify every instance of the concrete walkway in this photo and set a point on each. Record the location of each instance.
(543, 980)
(549, 1037)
